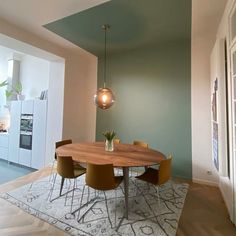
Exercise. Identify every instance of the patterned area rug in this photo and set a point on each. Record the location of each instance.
(148, 213)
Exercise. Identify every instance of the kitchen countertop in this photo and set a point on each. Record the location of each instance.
(4, 133)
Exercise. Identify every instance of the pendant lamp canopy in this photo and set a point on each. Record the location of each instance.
(104, 97)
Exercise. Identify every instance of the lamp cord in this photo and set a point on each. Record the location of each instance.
(105, 56)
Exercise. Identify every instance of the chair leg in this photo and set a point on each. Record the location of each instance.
(158, 196)
(68, 190)
(30, 186)
(73, 193)
(71, 214)
(137, 190)
(172, 187)
(81, 200)
(115, 205)
(93, 200)
(51, 173)
(89, 201)
(62, 183)
(51, 190)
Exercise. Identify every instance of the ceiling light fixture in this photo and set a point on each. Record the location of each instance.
(104, 97)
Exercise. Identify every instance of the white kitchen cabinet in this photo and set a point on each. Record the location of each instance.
(14, 131)
(35, 155)
(4, 146)
(39, 134)
(25, 157)
(27, 107)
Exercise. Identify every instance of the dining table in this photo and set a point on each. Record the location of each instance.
(123, 156)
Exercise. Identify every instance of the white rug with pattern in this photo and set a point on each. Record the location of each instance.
(148, 214)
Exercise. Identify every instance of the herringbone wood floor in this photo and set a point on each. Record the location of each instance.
(204, 213)
(15, 222)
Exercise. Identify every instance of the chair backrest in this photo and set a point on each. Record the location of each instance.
(61, 143)
(100, 177)
(164, 170)
(116, 140)
(140, 143)
(65, 166)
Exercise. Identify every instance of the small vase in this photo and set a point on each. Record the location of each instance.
(109, 145)
(20, 97)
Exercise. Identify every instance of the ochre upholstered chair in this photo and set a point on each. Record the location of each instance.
(67, 170)
(101, 178)
(140, 144)
(158, 176)
(62, 143)
(58, 144)
(116, 140)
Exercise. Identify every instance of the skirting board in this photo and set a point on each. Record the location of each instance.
(206, 182)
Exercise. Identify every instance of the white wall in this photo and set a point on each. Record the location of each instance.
(205, 21)
(201, 110)
(78, 102)
(55, 108)
(91, 87)
(34, 76)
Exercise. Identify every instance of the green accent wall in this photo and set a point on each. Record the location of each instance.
(153, 100)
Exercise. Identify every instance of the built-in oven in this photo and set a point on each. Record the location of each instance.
(26, 131)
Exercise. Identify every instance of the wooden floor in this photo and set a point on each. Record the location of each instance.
(204, 213)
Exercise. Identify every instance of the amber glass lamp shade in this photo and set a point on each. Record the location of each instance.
(104, 98)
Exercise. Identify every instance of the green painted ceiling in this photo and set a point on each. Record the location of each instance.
(134, 23)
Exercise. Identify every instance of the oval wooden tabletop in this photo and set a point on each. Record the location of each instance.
(124, 155)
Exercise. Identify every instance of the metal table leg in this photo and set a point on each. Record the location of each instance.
(126, 187)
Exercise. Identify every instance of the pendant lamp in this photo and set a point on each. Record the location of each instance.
(104, 97)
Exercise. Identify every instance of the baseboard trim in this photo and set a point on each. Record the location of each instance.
(206, 182)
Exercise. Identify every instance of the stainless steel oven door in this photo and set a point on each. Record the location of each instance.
(26, 140)
(26, 123)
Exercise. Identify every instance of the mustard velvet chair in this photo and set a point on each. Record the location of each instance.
(116, 141)
(58, 144)
(101, 178)
(67, 170)
(159, 176)
(140, 144)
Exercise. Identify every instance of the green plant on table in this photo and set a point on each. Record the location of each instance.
(109, 135)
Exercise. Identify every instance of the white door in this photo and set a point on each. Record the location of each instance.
(223, 121)
(233, 78)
